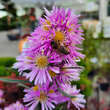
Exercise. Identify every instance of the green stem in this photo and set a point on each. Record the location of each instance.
(19, 82)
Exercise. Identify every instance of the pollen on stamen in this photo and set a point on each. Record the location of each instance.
(59, 36)
(42, 97)
(42, 61)
(35, 88)
(52, 74)
(46, 25)
(74, 99)
(51, 91)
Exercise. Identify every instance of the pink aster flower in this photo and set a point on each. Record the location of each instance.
(15, 106)
(69, 73)
(39, 65)
(78, 100)
(1, 96)
(59, 34)
(44, 95)
(61, 27)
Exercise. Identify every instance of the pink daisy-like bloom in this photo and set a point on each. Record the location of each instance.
(39, 65)
(45, 96)
(16, 106)
(78, 99)
(61, 27)
(69, 73)
(2, 100)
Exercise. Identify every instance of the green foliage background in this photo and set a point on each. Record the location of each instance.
(6, 64)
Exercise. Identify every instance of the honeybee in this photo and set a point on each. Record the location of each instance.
(59, 48)
(56, 45)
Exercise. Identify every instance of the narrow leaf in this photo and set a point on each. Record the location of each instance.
(22, 85)
(8, 80)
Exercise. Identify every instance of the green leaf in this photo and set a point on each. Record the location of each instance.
(7, 61)
(13, 80)
(23, 85)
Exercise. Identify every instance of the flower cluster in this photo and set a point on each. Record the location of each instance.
(50, 61)
(15, 106)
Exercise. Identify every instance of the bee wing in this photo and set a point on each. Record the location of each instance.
(63, 50)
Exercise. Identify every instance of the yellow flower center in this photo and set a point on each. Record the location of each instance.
(46, 25)
(51, 91)
(70, 29)
(74, 99)
(46, 28)
(52, 74)
(35, 88)
(42, 61)
(42, 97)
(59, 36)
(48, 22)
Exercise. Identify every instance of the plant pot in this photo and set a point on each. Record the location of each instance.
(13, 37)
(104, 86)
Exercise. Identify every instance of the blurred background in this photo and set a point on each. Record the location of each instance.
(18, 18)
